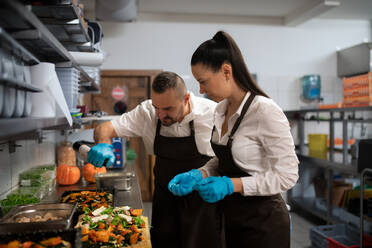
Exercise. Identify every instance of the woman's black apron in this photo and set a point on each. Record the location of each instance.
(250, 221)
(181, 222)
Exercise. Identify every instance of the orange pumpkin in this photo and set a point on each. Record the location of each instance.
(67, 174)
(90, 170)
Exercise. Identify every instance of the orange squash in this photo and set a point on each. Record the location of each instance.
(90, 170)
(67, 174)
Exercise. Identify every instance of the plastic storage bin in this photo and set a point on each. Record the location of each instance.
(69, 80)
(337, 236)
(318, 145)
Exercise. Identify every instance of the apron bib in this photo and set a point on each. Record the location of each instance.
(250, 221)
(182, 222)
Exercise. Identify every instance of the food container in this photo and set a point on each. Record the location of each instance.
(66, 154)
(37, 176)
(83, 196)
(17, 219)
(114, 180)
(21, 196)
(72, 236)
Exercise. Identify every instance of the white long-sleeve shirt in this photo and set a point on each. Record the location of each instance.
(142, 121)
(263, 147)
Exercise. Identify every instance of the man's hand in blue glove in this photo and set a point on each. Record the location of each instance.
(214, 189)
(100, 153)
(183, 184)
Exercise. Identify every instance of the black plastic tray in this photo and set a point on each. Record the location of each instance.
(78, 210)
(73, 236)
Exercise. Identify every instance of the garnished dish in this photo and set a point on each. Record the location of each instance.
(55, 242)
(89, 199)
(114, 227)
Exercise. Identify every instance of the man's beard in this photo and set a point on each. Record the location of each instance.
(168, 121)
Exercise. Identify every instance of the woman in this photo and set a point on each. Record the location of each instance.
(255, 158)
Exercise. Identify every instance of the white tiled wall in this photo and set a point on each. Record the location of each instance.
(29, 154)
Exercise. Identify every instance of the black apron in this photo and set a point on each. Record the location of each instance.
(181, 222)
(250, 221)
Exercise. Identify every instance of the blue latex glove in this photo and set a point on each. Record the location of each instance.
(101, 152)
(183, 184)
(214, 189)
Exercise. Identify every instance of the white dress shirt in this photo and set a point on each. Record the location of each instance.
(263, 147)
(142, 121)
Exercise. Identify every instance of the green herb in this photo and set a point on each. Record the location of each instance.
(87, 210)
(125, 224)
(138, 220)
(86, 218)
(107, 211)
(93, 225)
(17, 199)
(116, 220)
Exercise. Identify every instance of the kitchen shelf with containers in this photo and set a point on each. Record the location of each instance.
(329, 168)
(24, 26)
(25, 41)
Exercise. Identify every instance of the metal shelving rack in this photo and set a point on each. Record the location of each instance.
(366, 173)
(22, 24)
(337, 161)
(8, 43)
(66, 24)
(26, 36)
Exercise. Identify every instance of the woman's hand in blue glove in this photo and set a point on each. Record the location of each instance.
(101, 152)
(214, 189)
(183, 184)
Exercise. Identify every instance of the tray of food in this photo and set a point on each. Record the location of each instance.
(43, 216)
(51, 239)
(88, 199)
(114, 227)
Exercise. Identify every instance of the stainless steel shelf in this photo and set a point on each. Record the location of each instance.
(299, 111)
(326, 164)
(25, 27)
(13, 47)
(11, 128)
(65, 23)
(336, 165)
(19, 85)
(28, 30)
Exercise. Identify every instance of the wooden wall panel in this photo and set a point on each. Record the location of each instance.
(139, 85)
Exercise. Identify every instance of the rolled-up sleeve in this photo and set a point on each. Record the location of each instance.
(211, 167)
(279, 151)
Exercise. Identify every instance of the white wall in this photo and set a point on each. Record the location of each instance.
(279, 55)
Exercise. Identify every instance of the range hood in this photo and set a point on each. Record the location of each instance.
(116, 10)
(354, 60)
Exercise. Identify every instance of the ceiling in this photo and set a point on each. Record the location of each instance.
(279, 12)
(291, 12)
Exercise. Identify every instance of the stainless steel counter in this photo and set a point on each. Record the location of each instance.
(130, 198)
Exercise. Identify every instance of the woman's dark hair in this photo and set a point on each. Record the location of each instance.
(222, 49)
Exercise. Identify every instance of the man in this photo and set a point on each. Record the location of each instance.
(175, 126)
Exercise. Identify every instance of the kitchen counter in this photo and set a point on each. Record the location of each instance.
(130, 198)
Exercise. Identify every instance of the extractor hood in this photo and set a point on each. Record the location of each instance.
(116, 10)
(354, 60)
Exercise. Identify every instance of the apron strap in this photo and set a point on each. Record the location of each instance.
(240, 118)
(158, 126)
